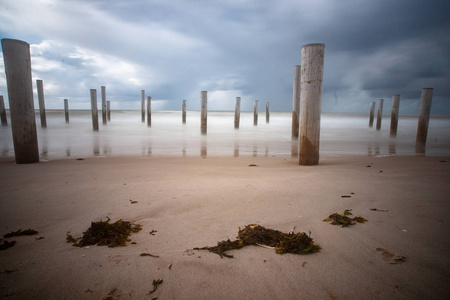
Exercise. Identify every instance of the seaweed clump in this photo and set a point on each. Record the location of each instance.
(104, 233)
(21, 232)
(252, 234)
(343, 219)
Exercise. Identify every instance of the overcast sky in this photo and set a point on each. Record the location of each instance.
(173, 49)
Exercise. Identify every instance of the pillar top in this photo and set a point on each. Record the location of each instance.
(15, 41)
(314, 44)
(428, 89)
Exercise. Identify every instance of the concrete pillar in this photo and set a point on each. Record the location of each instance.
(237, 112)
(267, 112)
(372, 111)
(310, 103)
(204, 111)
(255, 113)
(94, 109)
(143, 106)
(40, 90)
(16, 56)
(379, 113)
(183, 114)
(104, 116)
(394, 114)
(149, 111)
(66, 110)
(296, 102)
(108, 110)
(3, 112)
(424, 118)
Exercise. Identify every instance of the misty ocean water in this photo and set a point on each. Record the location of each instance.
(126, 135)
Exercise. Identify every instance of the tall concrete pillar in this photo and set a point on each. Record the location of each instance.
(94, 109)
(40, 90)
(255, 113)
(104, 114)
(424, 118)
(16, 56)
(3, 112)
(204, 111)
(108, 110)
(296, 102)
(237, 112)
(66, 110)
(267, 112)
(379, 113)
(394, 114)
(149, 111)
(143, 106)
(310, 103)
(183, 114)
(371, 113)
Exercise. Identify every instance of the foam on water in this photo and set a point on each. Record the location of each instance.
(341, 134)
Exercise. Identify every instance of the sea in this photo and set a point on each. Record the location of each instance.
(126, 135)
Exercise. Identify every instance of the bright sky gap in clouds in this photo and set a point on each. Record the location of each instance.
(236, 48)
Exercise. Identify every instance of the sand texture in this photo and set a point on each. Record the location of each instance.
(401, 252)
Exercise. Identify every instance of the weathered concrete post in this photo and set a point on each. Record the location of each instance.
(255, 113)
(183, 114)
(66, 110)
(3, 112)
(296, 102)
(40, 90)
(394, 114)
(379, 113)
(424, 118)
(267, 112)
(237, 112)
(104, 119)
(94, 109)
(372, 111)
(310, 103)
(204, 111)
(108, 110)
(143, 106)
(16, 56)
(149, 111)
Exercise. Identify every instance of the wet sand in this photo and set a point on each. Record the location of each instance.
(195, 202)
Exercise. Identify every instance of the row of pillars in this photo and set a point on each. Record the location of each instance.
(424, 117)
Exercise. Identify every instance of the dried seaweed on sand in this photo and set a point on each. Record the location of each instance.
(104, 233)
(343, 219)
(252, 234)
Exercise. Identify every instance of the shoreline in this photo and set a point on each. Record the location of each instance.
(196, 202)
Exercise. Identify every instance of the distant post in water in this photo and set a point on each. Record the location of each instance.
(143, 106)
(40, 90)
(310, 103)
(3, 112)
(424, 118)
(108, 110)
(204, 111)
(372, 111)
(394, 114)
(237, 112)
(296, 102)
(94, 109)
(104, 119)
(267, 112)
(149, 111)
(16, 56)
(380, 113)
(255, 113)
(66, 110)
(183, 112)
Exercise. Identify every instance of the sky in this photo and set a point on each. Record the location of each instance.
(174, 49)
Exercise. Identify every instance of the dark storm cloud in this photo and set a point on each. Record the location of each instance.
(247, 48)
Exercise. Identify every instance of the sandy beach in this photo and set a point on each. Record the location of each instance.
(189, 202)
